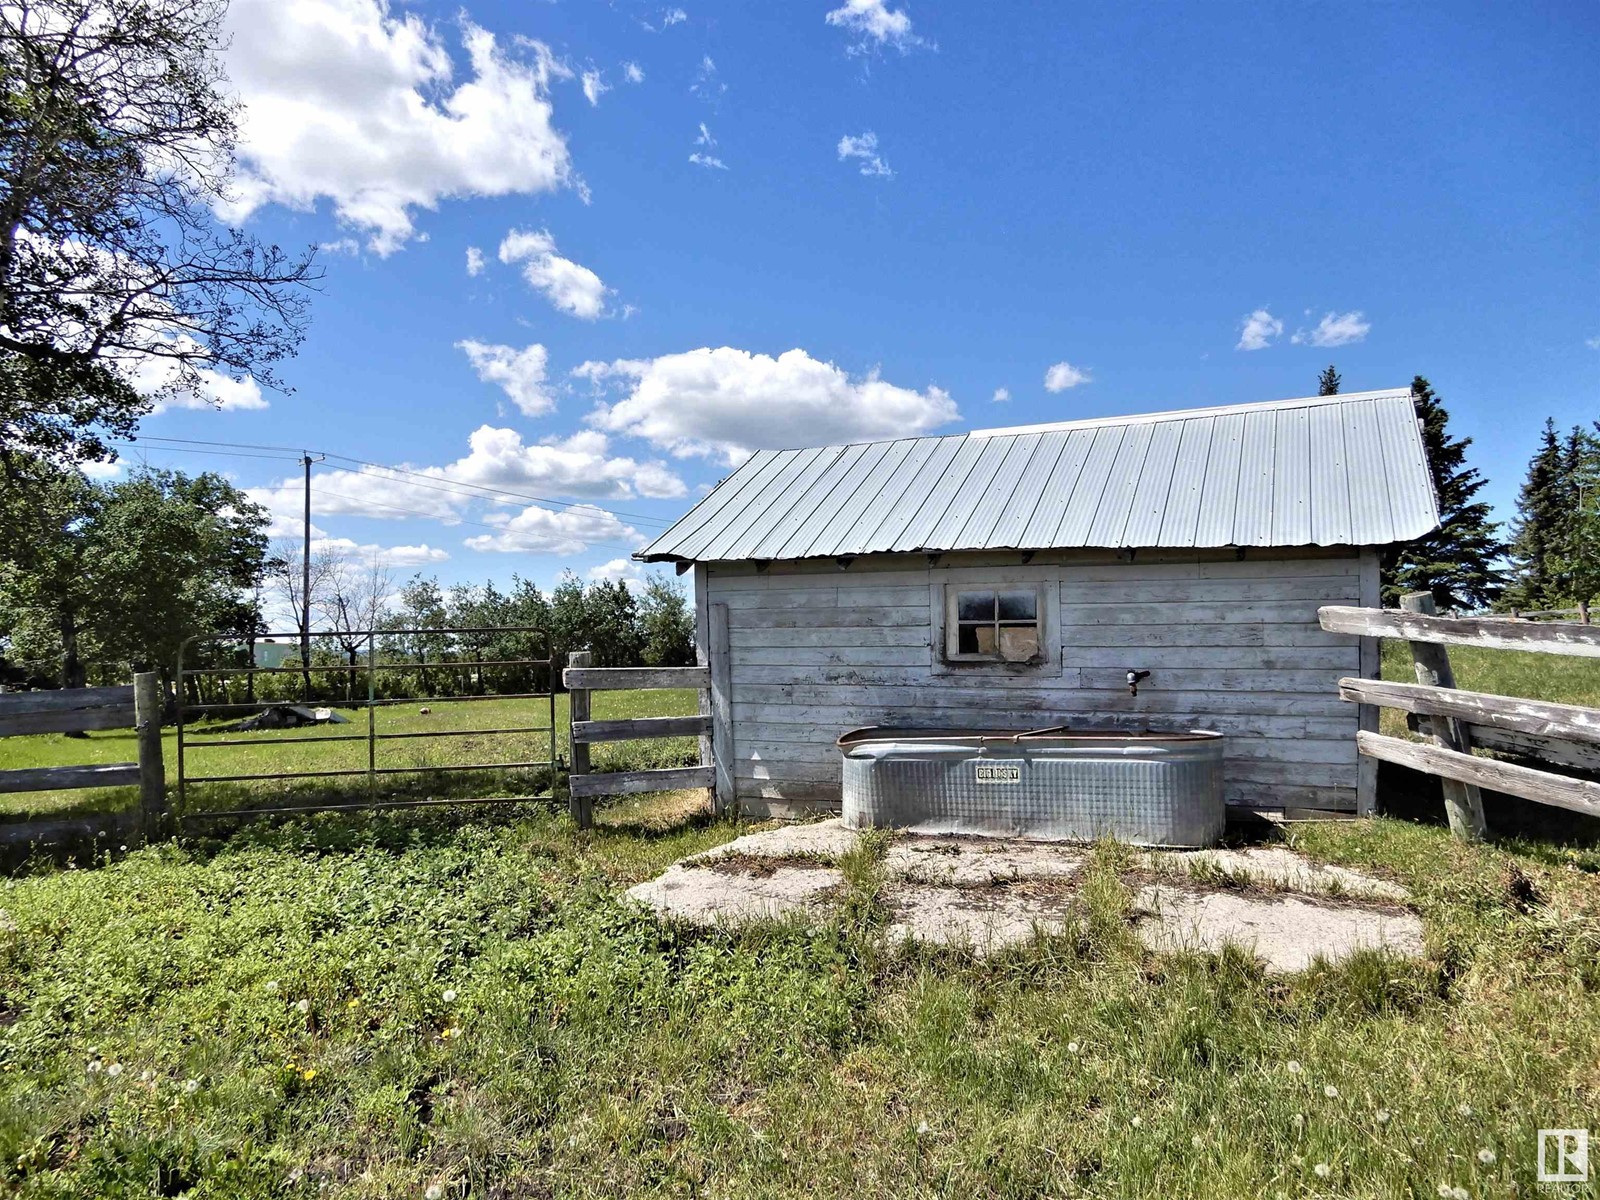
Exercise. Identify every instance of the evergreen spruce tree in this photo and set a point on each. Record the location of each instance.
(1328, 382)
(1456, 561)
(1575, 571)
(1539, 532)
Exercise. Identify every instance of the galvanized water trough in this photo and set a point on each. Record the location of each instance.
(1150, 789)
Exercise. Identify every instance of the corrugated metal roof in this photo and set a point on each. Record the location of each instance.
(1319, 471)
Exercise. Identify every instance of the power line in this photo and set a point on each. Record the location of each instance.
(436, 480)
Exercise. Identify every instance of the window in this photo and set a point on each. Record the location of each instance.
(994, 624)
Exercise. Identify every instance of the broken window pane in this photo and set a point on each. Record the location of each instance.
(1019, 643)
(967, 639)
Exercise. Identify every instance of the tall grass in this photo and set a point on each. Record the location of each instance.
(371, 1005)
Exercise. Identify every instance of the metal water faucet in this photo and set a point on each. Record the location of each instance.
(1133, 681)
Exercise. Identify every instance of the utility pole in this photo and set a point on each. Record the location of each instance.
(305, 584)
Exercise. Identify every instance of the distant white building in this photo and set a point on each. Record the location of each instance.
(270, 653)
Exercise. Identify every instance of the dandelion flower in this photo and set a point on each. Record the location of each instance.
(114, 1070)
(1322, 1170)
(1460, 1193)
(191, 1086)
(1331, 1092)
(1486, 1157)
(1383, 1115)
(1136, 1122)
(272, 985)
(1197, 1141)
(1464, 1109)
(435, 1192)
(922, 1127)
(146, 1075)
(95, 1067)
(1445, 1191)
(1292, 1067)
(449, 995)
(303, 1007)
(1072, 1047)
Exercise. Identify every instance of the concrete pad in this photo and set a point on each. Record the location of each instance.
(1287, 932)
(707, 896)
(1275, 866)
(824, 840)
(982, 920)
(974, 862)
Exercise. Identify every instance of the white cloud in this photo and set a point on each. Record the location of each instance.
(474, 261)
(347, 101)
(727, 402)
(162, 378)
(875, 25)
(580, 465)
(632, 72)
(547, 531)
(865, 150)
(593, 86)
(706, 85)
(1001, 395)
(392, 556)
(1335, 329)
(341, 246)
(519, 373)
(570, 287)
(705, 159)
(1258, 329)
(623, 570)
(101, 470)
(1064, 375)
(673, 16)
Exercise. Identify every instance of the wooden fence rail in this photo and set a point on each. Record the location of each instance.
(581, 679)
(1456, 721)
(74, 710)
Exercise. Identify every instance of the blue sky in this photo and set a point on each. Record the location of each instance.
(798, 222)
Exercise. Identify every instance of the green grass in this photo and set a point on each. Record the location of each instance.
(1559, 678)
(377, 1004)
(291, 752)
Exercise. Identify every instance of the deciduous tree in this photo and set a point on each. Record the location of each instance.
(118, 286)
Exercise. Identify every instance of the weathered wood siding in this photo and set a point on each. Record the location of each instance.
(1233, 645)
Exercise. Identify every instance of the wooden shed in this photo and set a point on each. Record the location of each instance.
(1014, 577)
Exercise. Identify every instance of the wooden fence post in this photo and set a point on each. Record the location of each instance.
(1463, 803)
(148, 708)
(582, 806)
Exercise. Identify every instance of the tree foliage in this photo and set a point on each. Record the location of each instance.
(123, 573)
(1555, 556)
(117, 285)
(1456, 562)
(1328, 382)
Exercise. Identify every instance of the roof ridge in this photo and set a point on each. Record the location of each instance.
(1184, 414)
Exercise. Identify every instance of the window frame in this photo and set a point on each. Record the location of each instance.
(1043, 582)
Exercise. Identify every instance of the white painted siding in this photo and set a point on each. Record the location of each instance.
(1233, 645)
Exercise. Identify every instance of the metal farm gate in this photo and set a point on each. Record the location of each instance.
(362, 650)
